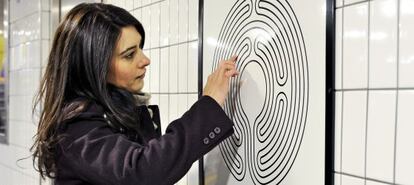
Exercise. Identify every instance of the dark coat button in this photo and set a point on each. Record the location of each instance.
(217, 130)
(206, 141)
(212, 135)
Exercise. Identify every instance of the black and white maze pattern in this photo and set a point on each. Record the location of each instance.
(268, 34)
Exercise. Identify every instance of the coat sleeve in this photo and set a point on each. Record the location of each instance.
(102, 157)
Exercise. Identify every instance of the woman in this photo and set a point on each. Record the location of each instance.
(96, 127)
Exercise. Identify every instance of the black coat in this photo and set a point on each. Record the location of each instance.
(92, 152)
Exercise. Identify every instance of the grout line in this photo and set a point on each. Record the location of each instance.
(170, 45)
(25, 69)
(149, 24)
(188, 49)
(149, 4)
(367, 102)
(342, 86)
(22, 18)
(159, 52)
(375, 89)
(17, 170)
(397, 93)
(365, 178)
(178, 48)
(352, 4)
(28, 41)
(173, 93)
(18, 145)
(169, 57)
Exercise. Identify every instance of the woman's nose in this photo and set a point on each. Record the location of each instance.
(145, 62)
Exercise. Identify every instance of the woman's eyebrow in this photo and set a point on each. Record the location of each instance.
(130, 48)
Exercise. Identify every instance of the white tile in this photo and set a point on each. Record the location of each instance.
(129, 5)
(45, 25)
(46, 181)
(164, 113)
(192, 98)
(380, 135)
(12, 86)
(339, 3)
(13, 112)
(45, 5)
(32, 54)
(383, 44)
(14, 31)
(354, 122)
(155, 99)
(35, 80)
(193, 20)
(5, 174)
(25, 30)
(338, 130)
(25, 109)
(120, 3)
(15, 176)
(173, 69)
(347, 2)
(147, 79)
(375, 183)
(337, 179)
(45, 52)
(183, 20)
(182, 68)
(155, 25)
(15, 57)
(165, 23)
(193, 174)
(146, 23)
(182, 105)
(355, 51)
(155, 71)
(406, 67)
(173, 36)
(137, 3)
(173, 107)
(164, 70)
(348, 180)
(33, 23)
(24, 168)
(193, 67)
(21, 133)
(138, 15)
(28, 81)
(338, 49)
(182, 181)
(22, 8)
(145, 2)
(405, 138)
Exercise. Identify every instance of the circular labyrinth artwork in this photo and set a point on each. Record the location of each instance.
(268, 101)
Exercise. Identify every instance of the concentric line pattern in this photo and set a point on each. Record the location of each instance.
(268, 34)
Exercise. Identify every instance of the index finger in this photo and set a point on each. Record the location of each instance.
(233, 58)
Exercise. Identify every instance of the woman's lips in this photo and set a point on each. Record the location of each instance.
(141, 76)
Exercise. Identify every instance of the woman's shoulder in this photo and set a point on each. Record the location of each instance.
(89, 117)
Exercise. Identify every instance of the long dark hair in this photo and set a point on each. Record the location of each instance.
(77, 69)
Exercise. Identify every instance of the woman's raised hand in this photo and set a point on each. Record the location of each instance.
(217, 85)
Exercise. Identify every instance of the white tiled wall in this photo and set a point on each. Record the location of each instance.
(171, 28)
(374, 92)
(29, 38)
